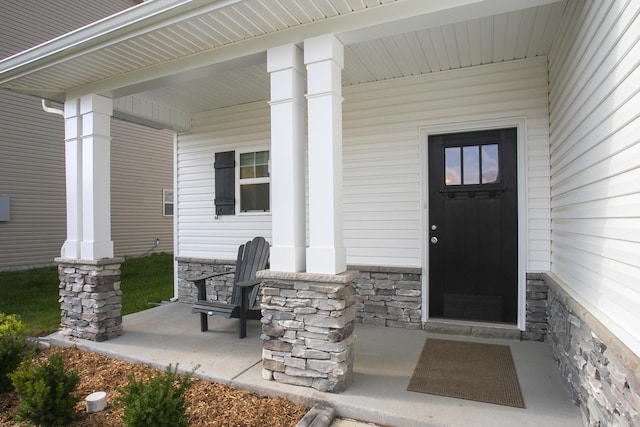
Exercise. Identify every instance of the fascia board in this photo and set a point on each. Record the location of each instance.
(108, 31)
(375, 22)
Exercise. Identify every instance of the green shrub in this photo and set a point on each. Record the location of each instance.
(45, 391)
(12, 348)
(159, 401)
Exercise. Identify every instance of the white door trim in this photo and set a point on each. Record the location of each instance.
(521, 124)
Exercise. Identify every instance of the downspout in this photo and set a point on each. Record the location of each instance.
(46, 106)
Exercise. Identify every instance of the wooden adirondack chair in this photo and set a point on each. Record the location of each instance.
(252, 257)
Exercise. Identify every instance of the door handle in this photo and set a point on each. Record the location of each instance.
(434, 240)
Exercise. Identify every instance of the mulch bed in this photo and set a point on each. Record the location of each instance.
(208, 403)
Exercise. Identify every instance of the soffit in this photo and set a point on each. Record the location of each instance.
(205, 26)
(515, 35)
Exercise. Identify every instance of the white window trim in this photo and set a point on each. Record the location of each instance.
(165, 203)
(249, 181)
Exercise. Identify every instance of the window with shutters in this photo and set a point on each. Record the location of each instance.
(251, 182)
(254, 181)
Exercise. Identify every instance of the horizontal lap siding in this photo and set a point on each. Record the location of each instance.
(382, 169)
(200, 234)
(381, 145)
(24, 24)
(32, 175)
(32, 168)
(595, 154)
(141, 167)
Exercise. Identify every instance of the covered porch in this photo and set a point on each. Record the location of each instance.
(327, 185)
(343, 96)
(385, 359)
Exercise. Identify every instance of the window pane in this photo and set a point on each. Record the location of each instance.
(262, 171)
(262, 164)
(490, 164)
(452, 165)
(254, 197)
(247, 161)
(262, 157)
(471, 163)
(254, 165)
(246, 172)
(168, 209)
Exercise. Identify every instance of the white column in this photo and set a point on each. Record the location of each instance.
(73, 175)
(88, 178)
(285, 66)
(96, 177)
(324, 58)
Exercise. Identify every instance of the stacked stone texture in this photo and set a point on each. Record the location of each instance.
(602, 373)
(389, 297)
(307, 332)
(384, 296)
(536, 316)
(219, 288)
(90, 300)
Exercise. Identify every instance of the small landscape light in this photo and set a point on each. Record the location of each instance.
(96, 402)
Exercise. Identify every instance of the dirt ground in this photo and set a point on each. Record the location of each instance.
(208, 404)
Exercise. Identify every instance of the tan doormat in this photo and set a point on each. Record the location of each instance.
(467, 370)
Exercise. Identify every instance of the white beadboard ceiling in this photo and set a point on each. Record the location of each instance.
(210, 26)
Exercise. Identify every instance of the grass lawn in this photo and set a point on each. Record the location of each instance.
(33, 294)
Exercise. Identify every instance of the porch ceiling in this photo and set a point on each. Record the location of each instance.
(194, 56)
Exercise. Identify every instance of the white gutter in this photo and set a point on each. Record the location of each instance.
(140, 19)
(49, 109)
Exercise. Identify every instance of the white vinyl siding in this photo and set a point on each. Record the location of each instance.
(595, 156)
(141, 167)
(242, 128)
(382, 170)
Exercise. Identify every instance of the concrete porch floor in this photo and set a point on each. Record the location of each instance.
(384, 361)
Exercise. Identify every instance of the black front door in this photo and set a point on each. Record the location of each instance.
(473, 226)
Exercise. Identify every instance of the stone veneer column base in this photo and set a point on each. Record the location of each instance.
(90, 298)
(307, 329)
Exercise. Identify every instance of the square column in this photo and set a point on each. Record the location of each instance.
(285, 66)
(324, 59)
(90, 295)
(73, 176)
(88, 178)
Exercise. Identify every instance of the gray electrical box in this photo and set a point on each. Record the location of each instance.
(4, 207)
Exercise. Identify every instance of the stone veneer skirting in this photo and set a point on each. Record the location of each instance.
(388, 296)
(218, 288)
(392, 297)
(602, 373)
(384, 296)
(90, 298)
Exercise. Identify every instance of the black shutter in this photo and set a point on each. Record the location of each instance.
(225, 183)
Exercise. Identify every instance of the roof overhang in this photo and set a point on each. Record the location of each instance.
(163, 43)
